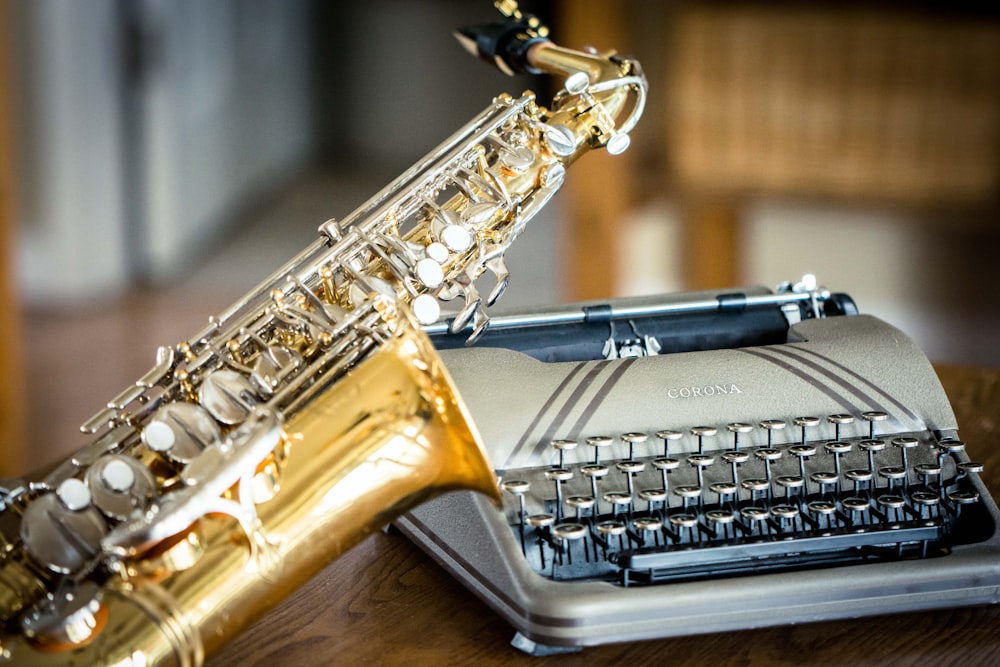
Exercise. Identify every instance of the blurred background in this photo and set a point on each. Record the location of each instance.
(159, 157)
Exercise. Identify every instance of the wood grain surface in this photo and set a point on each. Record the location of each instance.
(387, 603)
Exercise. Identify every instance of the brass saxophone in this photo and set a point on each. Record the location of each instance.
(308, 414)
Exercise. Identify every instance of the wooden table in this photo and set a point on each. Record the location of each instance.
(387, 603)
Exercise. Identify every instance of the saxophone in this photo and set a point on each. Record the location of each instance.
(308, 414)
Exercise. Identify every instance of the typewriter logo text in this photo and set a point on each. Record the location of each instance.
(704, 391)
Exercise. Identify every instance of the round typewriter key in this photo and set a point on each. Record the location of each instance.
(804, 423)
(838, 448)
(823, 479)
(768, 455)
(736, 428)
(688, 492)
(735, 460)
(666, 436)
(541, 520)
(688, 521)
(655, 498)
(563, 446)
(755, 485)
(772, 425)
(856, 505)
(926, 471)
(950, 446)
(647, 524)
(665, 466)
(871, 417)
(755, 515)
(784, 512)
(892, 474)
(618, 500)
(633, 439)
(821, 509)
(859, 476)
(803, 452)
(891, 502)
(630, 469)
(569, 533)
(871, 446)
(559, 476)
(720, 519)
(594, 472)
(968, 467)
(963, 497)
(926, 501)
(702, 432)
(903, 444)
(516, 486)
(726, 491)
(598, 442)
(581, 503)
(699, 462)
(839, 420)
(610, 529)
(789, 482)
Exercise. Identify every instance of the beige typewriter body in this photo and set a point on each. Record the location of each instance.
(837, 369)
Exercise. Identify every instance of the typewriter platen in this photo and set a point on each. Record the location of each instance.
(705, 462)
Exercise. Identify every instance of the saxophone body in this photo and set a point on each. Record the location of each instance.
(308, 414)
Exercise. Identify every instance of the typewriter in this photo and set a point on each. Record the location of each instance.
(705, 462)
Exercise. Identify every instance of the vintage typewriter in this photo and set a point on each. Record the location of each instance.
(706, 462)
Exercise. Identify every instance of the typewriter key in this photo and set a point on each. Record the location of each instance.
(618, 501)
(803, 452)
(735, 459)
(702, 432)
(610, 529)
(772, 425)
(563, 446)
(665, 466)
(768, 455)
(699, 462)
(685, 521)
(789, 482)
(838, 448)
(926, 501)
(903, 444)
(594, 472)
(559, 476)
(839, 420)
(892, 474)
(598, 442)
(647, 524)
(726, 491)
(960, 498)
(630, 469)
(856, 505)
(633, 439)
(756, 516)
(666, 436)
(871, 417)
(871, 446)
(858, 476)
(785, 514)
(568, 533)
(823, 479)
(688, 492)
(651, 496)
(720, 520)
(821, 509)
(804, 423)
(754, 486)
(890, 502)
(736, 428)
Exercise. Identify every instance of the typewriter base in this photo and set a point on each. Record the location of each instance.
(549, 615)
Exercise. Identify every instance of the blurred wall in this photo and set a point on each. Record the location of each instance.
(143, 126)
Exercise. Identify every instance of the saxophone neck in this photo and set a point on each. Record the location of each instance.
(603, 95)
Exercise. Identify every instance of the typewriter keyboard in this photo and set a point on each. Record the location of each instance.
(740, 498)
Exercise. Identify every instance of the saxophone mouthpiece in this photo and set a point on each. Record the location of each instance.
(505, 44)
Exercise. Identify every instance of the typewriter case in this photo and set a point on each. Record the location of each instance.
(682, 362)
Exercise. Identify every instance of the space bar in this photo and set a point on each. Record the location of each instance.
(775, 547)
